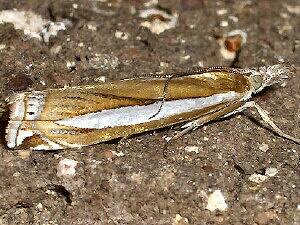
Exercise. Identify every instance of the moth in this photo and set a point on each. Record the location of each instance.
(73, 117)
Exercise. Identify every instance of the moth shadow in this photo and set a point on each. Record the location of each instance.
(259, 123)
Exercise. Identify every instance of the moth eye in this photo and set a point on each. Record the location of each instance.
(257, 81)
(31, 113)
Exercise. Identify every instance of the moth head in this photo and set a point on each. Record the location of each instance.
(268, 75)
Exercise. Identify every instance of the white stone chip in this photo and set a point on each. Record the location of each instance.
(33, 25)
(271, 171)
(92, 26)
(100, 79)
(264, 147)
(151, 3)
(52, 28)
(294, 9)
(221, 12)
(66, 168)
(186, 57)
(154, 23)
(192, 149)
(257, 178)
(121, 35)
(119, 154)
(224, 23)
(70, 64)
(179, 220)
(40, 207)
(216, 201)
(234, 18)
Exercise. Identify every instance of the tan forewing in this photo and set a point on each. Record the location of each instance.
(70, 102)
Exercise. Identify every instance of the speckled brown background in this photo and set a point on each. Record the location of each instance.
(137, 181)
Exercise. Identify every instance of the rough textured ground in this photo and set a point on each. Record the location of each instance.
(136, 181)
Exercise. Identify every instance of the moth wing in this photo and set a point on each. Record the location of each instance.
(34, 115)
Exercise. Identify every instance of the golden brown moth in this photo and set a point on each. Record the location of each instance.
(85, 115)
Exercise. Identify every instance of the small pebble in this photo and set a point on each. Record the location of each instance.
(92, 26)
(70, 65)
(192, 149)
(179, 220)
(157, 20)
(216, 201)
(121, 35)
(66, 168)
(257, 178)
(224, 23)
(264, 147)
(39, 206)
(221, 12)
(271, 172)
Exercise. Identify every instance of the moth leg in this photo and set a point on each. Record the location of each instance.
(269, 121)
(193, 125)
(190, 126)
(213, 115)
